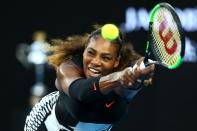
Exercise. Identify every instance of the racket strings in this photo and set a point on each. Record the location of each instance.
(165, 34)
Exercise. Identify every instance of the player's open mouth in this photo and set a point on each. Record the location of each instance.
(94, 70)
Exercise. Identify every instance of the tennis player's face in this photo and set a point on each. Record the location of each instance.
(100, 57)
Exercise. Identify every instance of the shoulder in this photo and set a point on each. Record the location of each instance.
(67, 72)
(69, 68)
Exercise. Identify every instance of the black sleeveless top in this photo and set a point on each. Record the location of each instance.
(108, 110)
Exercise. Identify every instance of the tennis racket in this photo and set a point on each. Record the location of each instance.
(166, 40)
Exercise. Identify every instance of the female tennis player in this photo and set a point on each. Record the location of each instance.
(95, 82)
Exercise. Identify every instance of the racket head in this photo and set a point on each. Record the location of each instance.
(166, 36)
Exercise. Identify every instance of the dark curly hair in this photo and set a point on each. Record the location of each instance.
(64, 49)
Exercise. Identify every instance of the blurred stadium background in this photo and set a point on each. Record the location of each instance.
(170, 104)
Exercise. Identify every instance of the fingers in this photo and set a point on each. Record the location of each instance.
(146, 72)
(130, 74)
(138, 62)
(128, 77)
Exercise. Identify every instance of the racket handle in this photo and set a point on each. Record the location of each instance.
(148, 63)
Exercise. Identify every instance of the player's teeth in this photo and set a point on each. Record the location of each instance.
(93, 70)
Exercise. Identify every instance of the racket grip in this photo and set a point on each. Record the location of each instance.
(148, 64)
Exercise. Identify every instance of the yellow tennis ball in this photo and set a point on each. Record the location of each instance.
(109, 32)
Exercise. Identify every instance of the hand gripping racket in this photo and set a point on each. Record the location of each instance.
(166, 40)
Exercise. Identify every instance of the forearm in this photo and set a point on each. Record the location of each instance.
(109, 82)
(93, 88)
